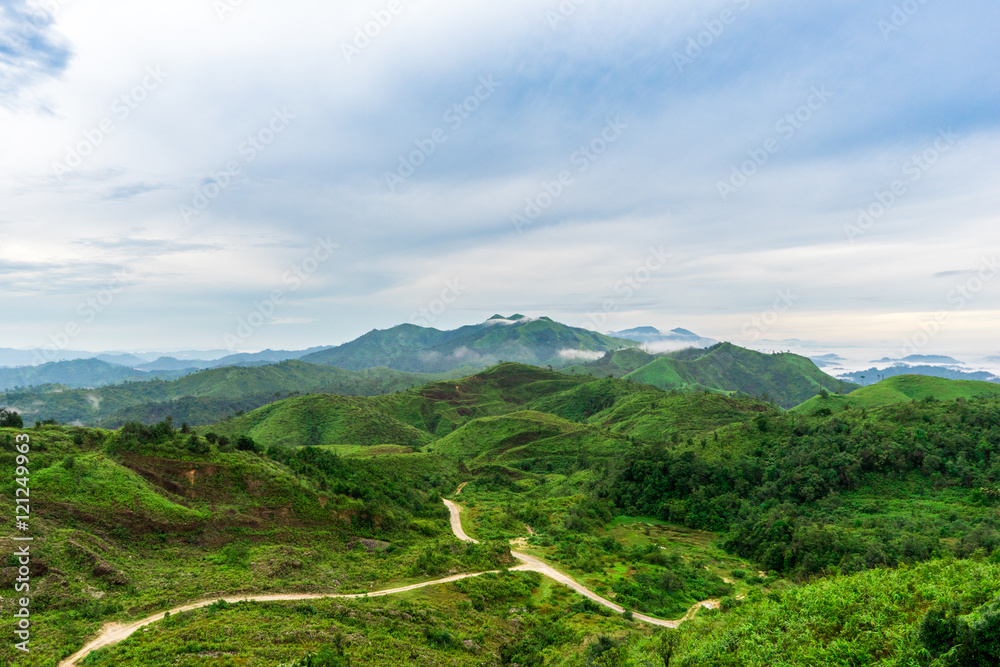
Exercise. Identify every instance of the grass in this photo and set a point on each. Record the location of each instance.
(457, 624)
(900, 389)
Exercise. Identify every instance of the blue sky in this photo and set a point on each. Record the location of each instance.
(170, 169)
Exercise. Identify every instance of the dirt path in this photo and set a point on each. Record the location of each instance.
(113, 633)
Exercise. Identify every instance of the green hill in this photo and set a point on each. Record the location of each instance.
(206, 396)
(78, 373)
(524, 437)
(411, 348)
(900, 389)
(323, 419)
(617, 363)
(787, 379)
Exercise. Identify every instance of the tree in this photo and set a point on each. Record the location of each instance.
(245, 443)
(10, 419)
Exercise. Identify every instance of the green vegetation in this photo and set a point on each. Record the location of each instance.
(78, 373)
(934, 614)
(899, 389)
(423, 350)
(864, 535)
(787, 379)
(204, 397)
(825, 494)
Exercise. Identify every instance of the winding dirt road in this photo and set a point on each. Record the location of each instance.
(535, 565)
(112, 633)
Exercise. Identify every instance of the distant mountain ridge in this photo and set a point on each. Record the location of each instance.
(408, 347)
(657, 340)
(871, 375)
(76, 374)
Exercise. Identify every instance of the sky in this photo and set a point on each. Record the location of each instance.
(250, 174)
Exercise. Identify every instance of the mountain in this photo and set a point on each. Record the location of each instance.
(123, 359)
(923, 359)
(826, 360)
(788, 379)
(77, 373)
(202, 397)
(33, 357)
(658, 340)
(172, 364)
(266, 356)
(901, 389)
(871, 375)
(408, 347)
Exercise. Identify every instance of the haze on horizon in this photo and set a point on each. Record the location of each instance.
(750, 170)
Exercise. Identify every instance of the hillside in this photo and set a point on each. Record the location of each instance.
(541, 342)
(78, 373)
(787, 379)
(614, 482)
(128, 522)
(322, 419)
(617, 363)
(206, 396)
(523, 437)
(900, 389)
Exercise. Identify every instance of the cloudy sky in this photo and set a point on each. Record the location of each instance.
(254, 173)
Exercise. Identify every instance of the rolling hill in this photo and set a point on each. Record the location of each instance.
(787, 379)
(900, 389)
(323, 419)
(77, 373)
(203, 397)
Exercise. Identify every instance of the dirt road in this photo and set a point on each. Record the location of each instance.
(113, 633)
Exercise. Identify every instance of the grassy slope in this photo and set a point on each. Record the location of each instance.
(618, 363)
(788, 379)
(524, 435)
(121, 532)
(323, 419)
(900, 389)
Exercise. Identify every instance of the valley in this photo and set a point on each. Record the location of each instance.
(597, 513)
